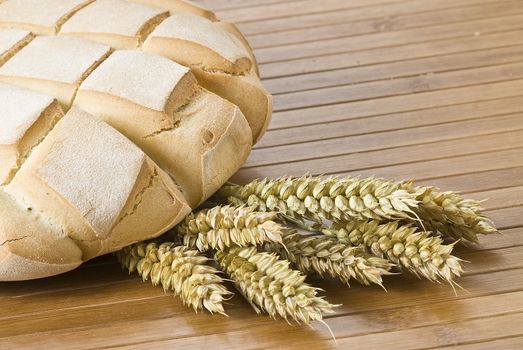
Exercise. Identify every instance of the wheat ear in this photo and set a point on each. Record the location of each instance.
(415, 251)
(179, 269)
(327, 256)
(451, 215)
(271, 286)
(224, 226)
(314, 198)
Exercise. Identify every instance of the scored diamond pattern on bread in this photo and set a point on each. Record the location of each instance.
(119, 116)
(103, 21)
(54, 65)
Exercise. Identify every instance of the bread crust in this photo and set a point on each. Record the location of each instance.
(170, 141)
(153, 196)
(67, 61)
(102, 21)
(104, 144)
(88, 192)
(233, 29)
(12, 41)
(226, 75)
(246, 92)
(41, 17)
(28, 136)
(216, 135)
(176, 6)
(31, 248)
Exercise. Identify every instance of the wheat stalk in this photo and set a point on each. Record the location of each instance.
(314, 198)
(450, 214)
(307, 200)
(328, 257)
(179, 269)
(271, 286)
(222, 227)
(415, 251)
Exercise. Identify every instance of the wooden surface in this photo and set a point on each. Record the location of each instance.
(424, 89)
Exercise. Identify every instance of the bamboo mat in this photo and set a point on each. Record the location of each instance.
(430, 90)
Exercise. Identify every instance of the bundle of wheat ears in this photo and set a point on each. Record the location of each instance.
(269, 235)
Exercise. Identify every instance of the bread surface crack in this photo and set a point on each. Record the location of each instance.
(175, 125)
(13, 240)
(138, 198)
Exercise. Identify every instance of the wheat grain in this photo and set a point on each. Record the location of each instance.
(225, 226)
(179, 269)
(308, 200)
(450, 214)
(314, 198)
(415, 251)
(328, 257)
(271, 286)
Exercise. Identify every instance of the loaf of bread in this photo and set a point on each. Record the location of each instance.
(119, 117)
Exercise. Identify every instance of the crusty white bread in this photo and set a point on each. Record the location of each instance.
(96, 187)
(206, 43)
(154, 84)
(11, 41)
(235, 31)
(215, 133)
(54, 65)
(102, 147)
(31, 248)
(175, 6)
(38, 16)
(220, 61)
(177, 117)
(27, 117)
(102, 21)
(244, 91)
